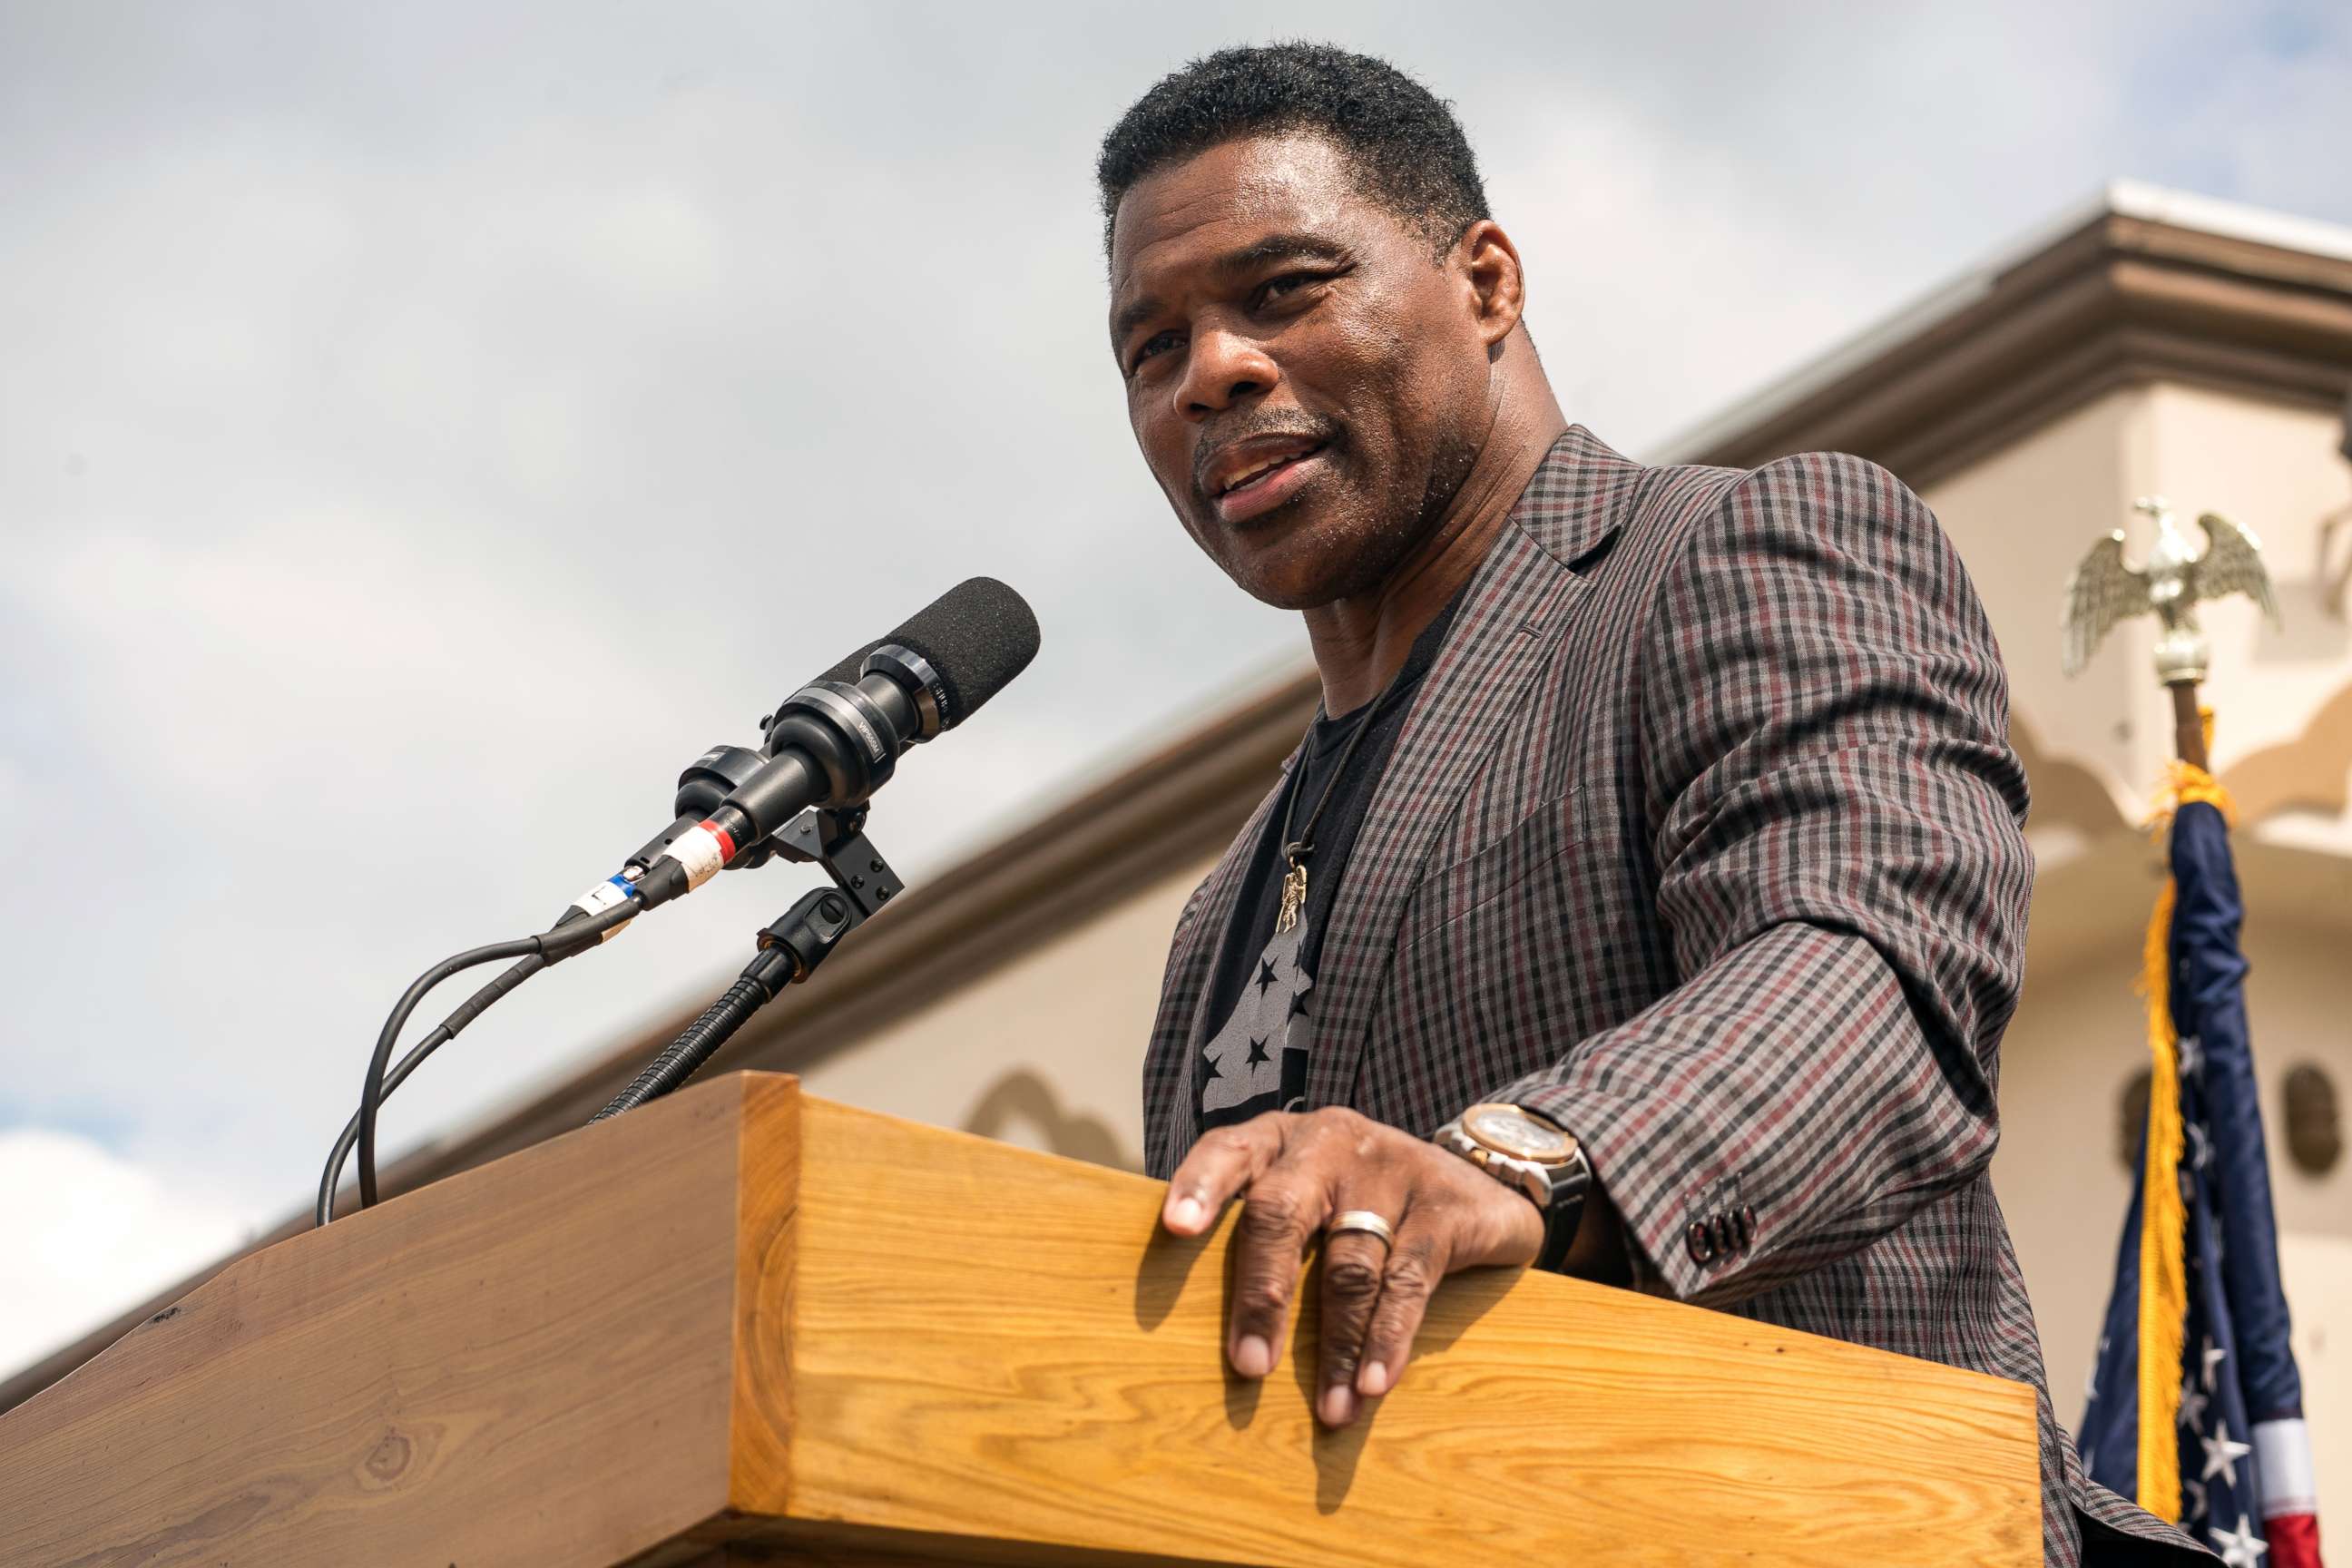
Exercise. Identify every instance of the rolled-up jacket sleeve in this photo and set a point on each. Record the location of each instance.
(1836, 816)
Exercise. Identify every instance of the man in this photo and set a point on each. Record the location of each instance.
(1648, 899)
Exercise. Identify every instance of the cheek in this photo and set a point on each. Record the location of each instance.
(1387, 381)
(1166, 443)
(1163, 439)
(1437, 395)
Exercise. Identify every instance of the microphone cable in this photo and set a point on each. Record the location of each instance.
(549, 947)
(443, 1033)
(604, 895)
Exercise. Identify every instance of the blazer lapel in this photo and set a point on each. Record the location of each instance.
(1508, 625)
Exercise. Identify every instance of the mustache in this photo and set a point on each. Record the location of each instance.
(1216, 442)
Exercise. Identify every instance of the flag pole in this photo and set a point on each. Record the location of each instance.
(2188, 722)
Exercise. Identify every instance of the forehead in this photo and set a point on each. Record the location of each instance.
(1179, 218)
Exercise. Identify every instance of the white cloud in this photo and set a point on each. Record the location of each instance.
(86, 1234)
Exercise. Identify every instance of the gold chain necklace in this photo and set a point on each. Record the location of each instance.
(1295, 851)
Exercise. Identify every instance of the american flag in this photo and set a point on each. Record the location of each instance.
(2203, 1423)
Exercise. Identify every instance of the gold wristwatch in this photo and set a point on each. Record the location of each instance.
(1533, 1154)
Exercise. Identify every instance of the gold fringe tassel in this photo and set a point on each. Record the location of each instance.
(2163, 1235)
(2164, 1221)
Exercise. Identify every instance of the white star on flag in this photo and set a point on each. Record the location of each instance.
(2221, 1456)
(2192, 1407)
(2214, 1356)
(2200, 1147)
(2192, 1054)
(2195, 1492)
(2240, 1548)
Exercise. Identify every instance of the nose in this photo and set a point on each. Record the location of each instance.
(1221, 369)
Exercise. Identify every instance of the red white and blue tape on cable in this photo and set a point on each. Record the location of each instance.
(601, 896)
(701, 849)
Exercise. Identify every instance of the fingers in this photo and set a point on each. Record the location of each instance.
(1354, 1266)
(1282, 1214)
(1409, 1276)
(1221, 1164)
(1455, 1219)
(1294, 1172)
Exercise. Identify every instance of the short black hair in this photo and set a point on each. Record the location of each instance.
(1402, 141)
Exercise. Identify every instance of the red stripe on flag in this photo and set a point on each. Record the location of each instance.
(2294, 1540)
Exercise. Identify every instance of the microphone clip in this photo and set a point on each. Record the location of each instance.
(790, 949)
(863, 882)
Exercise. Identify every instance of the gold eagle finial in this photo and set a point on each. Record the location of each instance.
(2169, 584)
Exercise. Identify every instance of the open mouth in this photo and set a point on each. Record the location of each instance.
(1266, 469)
(1265, 480)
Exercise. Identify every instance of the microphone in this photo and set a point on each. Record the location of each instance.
(836, 741)
(701, 789)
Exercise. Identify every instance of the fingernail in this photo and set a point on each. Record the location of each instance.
(1188, 1212)
(1338, 1405)
(1253, 1357)
(1373, 1381)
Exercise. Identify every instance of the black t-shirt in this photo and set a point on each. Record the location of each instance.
(1262, 987)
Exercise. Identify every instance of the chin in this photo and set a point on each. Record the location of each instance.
(1305, 579)
(1283, 595)
(1305, 555)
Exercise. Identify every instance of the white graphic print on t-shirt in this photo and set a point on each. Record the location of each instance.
(1244, 1060)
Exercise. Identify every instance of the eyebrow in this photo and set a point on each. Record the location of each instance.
(1237, 263)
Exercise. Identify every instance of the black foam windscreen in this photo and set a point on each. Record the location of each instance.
(978, 635)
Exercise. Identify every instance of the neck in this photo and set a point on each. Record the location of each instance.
(1361, 642)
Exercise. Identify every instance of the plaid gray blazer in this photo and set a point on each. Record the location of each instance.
(1704, 835)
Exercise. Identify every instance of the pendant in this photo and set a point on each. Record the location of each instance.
(1294, 896)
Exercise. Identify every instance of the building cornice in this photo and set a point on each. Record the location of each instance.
(2150, 286)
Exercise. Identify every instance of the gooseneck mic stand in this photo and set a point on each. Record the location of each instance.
(790, 949)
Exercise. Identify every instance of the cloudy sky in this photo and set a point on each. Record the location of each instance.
(424, 428)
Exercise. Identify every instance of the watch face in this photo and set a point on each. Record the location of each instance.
(1510, 1131)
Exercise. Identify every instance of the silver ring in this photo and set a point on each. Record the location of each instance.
(1363, 1220)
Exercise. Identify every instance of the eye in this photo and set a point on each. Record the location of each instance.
(1287, 283)
(1150, 348)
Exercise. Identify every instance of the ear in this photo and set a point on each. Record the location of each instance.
(1490, 266)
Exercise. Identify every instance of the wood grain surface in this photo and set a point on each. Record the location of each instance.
(529, 1364)
(742, 1326)
(1000, 1343)
(767, 1204)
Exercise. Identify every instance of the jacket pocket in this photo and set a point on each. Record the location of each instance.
(1459, 889)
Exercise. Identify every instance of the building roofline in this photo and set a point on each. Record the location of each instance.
(2139, 282)
(2229, 220)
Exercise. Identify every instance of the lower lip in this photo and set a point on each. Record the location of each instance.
(1269, 491)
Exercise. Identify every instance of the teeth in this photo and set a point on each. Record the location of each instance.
(1270, 464)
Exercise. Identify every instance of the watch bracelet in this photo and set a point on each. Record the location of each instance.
(1563, 1213)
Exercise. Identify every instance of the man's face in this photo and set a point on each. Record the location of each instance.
(1308, 385)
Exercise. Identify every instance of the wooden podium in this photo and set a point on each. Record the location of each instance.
(742, 1325)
